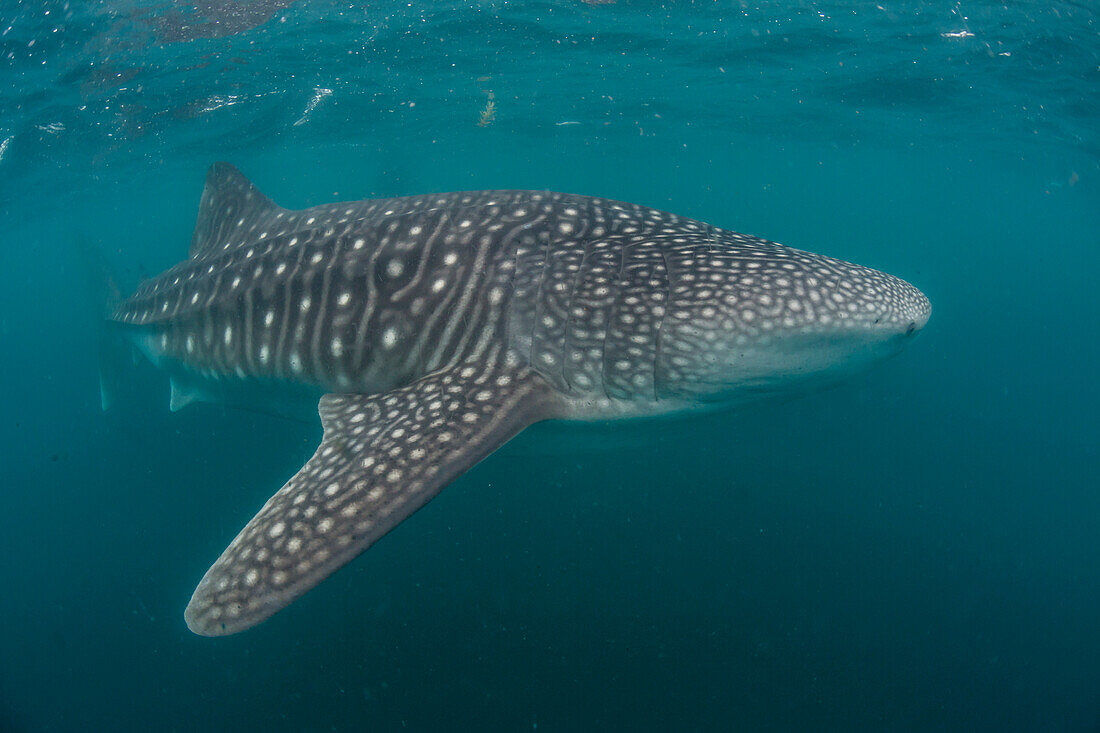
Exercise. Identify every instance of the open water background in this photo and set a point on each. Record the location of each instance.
(916, 550)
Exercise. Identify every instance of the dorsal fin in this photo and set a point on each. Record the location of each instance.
(230, 204)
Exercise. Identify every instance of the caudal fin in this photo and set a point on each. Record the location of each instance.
(113, 351)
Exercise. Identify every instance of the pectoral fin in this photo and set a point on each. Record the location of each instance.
(382, 458)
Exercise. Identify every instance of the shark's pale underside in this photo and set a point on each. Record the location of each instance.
(435, 328)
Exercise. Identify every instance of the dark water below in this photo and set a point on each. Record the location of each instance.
(916, 550)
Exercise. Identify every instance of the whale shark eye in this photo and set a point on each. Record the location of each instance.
(912, 327)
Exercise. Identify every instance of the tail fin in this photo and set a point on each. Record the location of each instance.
(113, 352)
(112, 349)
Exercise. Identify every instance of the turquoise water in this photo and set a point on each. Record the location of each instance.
(915, 550)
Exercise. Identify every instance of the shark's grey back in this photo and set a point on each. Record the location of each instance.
(371, 295)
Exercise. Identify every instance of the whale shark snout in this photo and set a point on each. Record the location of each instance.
(913, 308)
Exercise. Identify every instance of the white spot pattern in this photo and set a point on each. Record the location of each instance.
(614, 305)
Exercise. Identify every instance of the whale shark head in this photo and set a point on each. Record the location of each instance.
(769, 319)
(862, 316)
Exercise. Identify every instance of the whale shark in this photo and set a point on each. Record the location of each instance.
(428, 330)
